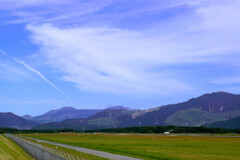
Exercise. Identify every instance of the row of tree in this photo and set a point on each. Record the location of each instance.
(15, 131)
(162, 129)
(145, 129)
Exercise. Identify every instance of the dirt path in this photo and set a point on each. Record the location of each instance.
(89, 151)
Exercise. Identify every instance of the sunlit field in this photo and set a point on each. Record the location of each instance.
(11, 151)
(154, 146)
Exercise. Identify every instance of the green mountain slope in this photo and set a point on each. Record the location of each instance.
(192, 117)
(228, 124)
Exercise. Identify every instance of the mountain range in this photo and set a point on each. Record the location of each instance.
(62, 114)
(203, 110)
(108, 118)
(218, 103)
(199, 111)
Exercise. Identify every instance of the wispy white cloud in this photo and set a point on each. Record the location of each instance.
(115, 60)
(102, 58)
(12, 73)
(83, 12)
(13, 4)
(7, 100)
(108, 60)
(50, 11)
(227, 80)
(31, 69)
(9, 71)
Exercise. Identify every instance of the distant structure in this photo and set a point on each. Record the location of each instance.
(166, 132)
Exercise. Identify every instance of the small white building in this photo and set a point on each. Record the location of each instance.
(166, 132)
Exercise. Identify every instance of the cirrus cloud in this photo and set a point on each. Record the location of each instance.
(115, 60)
(107, 60)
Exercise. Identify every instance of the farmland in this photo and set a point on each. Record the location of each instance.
(11, 151)
(154, 146)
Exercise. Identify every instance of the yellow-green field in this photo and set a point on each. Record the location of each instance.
(11, 151)
(154, 146)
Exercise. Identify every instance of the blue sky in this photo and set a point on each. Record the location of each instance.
(93, 54)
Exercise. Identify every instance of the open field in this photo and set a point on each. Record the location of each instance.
(154, 146)
(11, 151)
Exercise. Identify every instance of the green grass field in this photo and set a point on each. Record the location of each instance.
(11, 151)
(154, 146)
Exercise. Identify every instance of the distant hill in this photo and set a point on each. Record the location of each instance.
(198, 111)
(62, 114)
(11, 120)
(228, 124)
(107, 118)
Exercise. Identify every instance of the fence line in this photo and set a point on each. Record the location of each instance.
(41, 152)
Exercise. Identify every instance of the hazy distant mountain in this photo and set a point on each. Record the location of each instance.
(198, 111)
(27, 117)
(120, 107)
(107, 118)
(62, 114)
(111, 112)
(228, 124)
(11, 120)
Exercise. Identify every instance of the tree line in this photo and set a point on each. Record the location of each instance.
(144, 129)
(20, 131)
(162, 129)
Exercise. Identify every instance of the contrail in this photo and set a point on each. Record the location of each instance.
(40, 75)
(3, 52)
(36, 72)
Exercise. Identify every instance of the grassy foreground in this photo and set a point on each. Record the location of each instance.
(11, 151)
(82, 156)
(154, 146)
